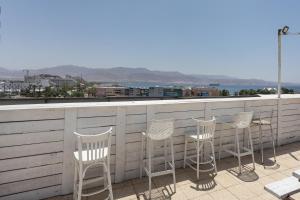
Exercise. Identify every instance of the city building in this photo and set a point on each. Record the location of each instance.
(156, 92)
(110, 91)
(173, 92)
(205, 91)
(46, 80)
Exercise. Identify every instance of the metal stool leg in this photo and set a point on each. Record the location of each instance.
(185, 151)
(261, 144)
(251, 145)
(173, 163)
(150, 165)
(142, 158)
(213, 154)
(198, 155)
(220, 146)
(238, 149)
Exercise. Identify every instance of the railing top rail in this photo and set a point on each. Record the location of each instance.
(137, 103)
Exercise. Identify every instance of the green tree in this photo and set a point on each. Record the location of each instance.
(224, 92)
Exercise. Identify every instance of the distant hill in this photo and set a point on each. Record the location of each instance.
(123, 74)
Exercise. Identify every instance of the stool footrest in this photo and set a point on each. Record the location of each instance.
(190, 158)
(160, 173)
(246, 153)
(93, 193)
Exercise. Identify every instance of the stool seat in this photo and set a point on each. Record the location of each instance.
(201, 137)
(261, 122)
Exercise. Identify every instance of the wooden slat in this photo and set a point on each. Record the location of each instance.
(31, 126)
(31, 114)
(30, 138)
(178, 107)
(32, 149)
(100, 111)
(28, 185)
(29, 173)
(35, 194)
(134, 119)
(135, 110)
(96, 130)
(180, 115)
(96, 122)
(30, 161)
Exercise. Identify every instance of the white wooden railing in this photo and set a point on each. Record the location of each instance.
(36, 141)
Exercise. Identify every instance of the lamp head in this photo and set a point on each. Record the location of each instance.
(285, 30)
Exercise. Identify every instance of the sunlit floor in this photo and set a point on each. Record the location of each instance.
(226, 185)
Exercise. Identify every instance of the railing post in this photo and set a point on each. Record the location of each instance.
(120, 144)
(279, 113)
(69, 148)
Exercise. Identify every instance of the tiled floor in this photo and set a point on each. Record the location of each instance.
(226, 185)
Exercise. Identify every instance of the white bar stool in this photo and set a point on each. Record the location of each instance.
(93, 150)
(240, 121)
(159, 130)
(265, 120)
(205, 134)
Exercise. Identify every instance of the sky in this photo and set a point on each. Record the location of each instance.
(234, 37)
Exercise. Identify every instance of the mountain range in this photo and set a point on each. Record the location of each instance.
(124, 74)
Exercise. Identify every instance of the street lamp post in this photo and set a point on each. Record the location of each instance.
(283, 31)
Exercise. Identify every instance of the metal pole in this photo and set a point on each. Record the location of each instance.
(279, 64)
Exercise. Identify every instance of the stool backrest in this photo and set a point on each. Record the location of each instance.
(161, 129)
(206, 128)
(266, 115)
(94, 147)
(243, 119)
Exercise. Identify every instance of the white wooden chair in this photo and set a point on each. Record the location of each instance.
(93, 150)
(205, 134)
(240, 121)
(159, 130)
(265, 119)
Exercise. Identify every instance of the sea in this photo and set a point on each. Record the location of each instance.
(231, 88)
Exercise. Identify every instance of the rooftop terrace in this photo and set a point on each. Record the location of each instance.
(37, 145)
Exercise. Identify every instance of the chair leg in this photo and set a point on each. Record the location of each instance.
(238, 149)
(109, 181)
(185, 149)
(75, 183)
(173, 163)
(251, 144)
(273, 142)
(79, 186)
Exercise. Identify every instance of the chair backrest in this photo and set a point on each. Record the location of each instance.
(94, 147)
(243, 119)
(206, 128)
(161, 129)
